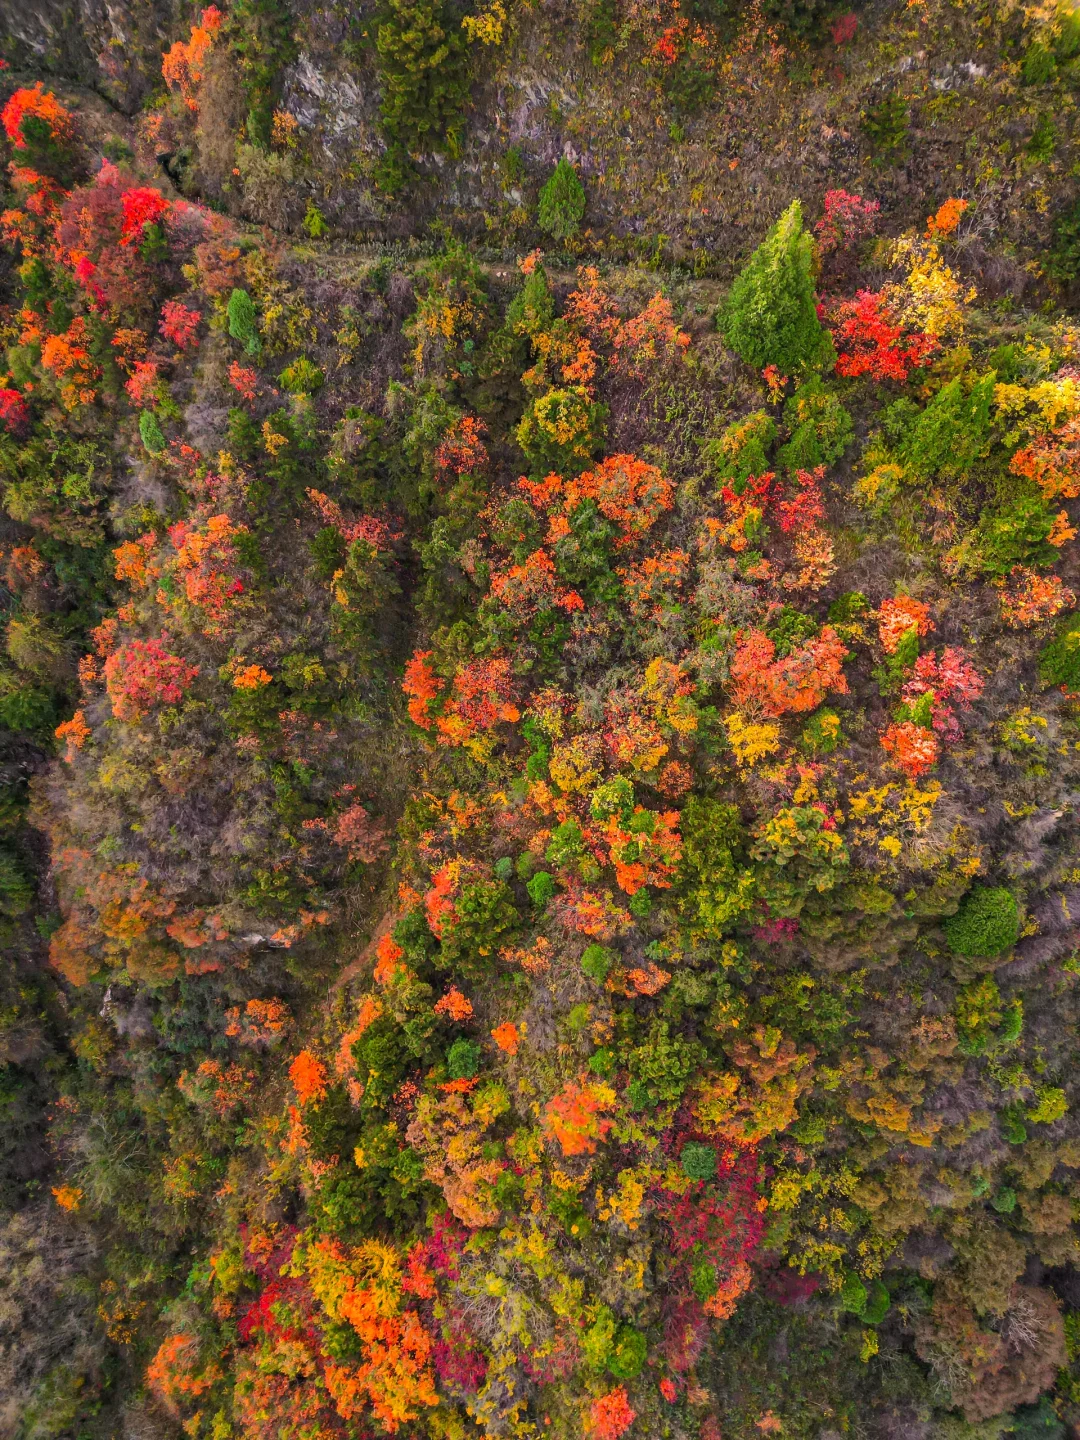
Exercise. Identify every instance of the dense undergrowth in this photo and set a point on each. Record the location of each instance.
(538, 841)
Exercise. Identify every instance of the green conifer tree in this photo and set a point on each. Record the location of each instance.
(423, 76)
(562, 202)
(770, 317)
(150, 432)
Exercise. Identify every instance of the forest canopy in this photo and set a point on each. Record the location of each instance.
(540, 721)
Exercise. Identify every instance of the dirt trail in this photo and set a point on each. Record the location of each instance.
(366, 956)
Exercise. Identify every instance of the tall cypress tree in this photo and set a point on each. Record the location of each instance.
(770, 317)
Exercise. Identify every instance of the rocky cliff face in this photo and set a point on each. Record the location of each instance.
(112, 46)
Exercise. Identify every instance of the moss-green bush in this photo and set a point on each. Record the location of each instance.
(823, 732)
(302, 377)
(627, 1354)
(1059, 660)
(886, 126)
(1038, 65)
(790, 628)
(242, 325)
(877, 1304)
(484, 913)
(260, 34)
(463, 1060)
(1015, 533)
(802, 17)
(561, 430)
(853, 1294)
(598, 1339)
(698, 1161)
(314, 221)
(986, 924)
(743, 449)
(596, 961)
(16, 891)
(541, 888)
(1063, 259)
(953, 431)
(1044, 139)
(821, 427)
(660, 1066)
(719, 891)
(1066, 34)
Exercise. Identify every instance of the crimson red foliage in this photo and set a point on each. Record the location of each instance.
(848, 218)
(141, 206)
(719, 1221)
(686, 1328)
(179, 324)
(142, 675)
(14, 413)
(806, 508)
(95, 236)
(870, 340)
(947, 678)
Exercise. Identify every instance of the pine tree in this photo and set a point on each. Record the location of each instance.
(562, 202)
(150, 432)
(770, 317)
(423, 75)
